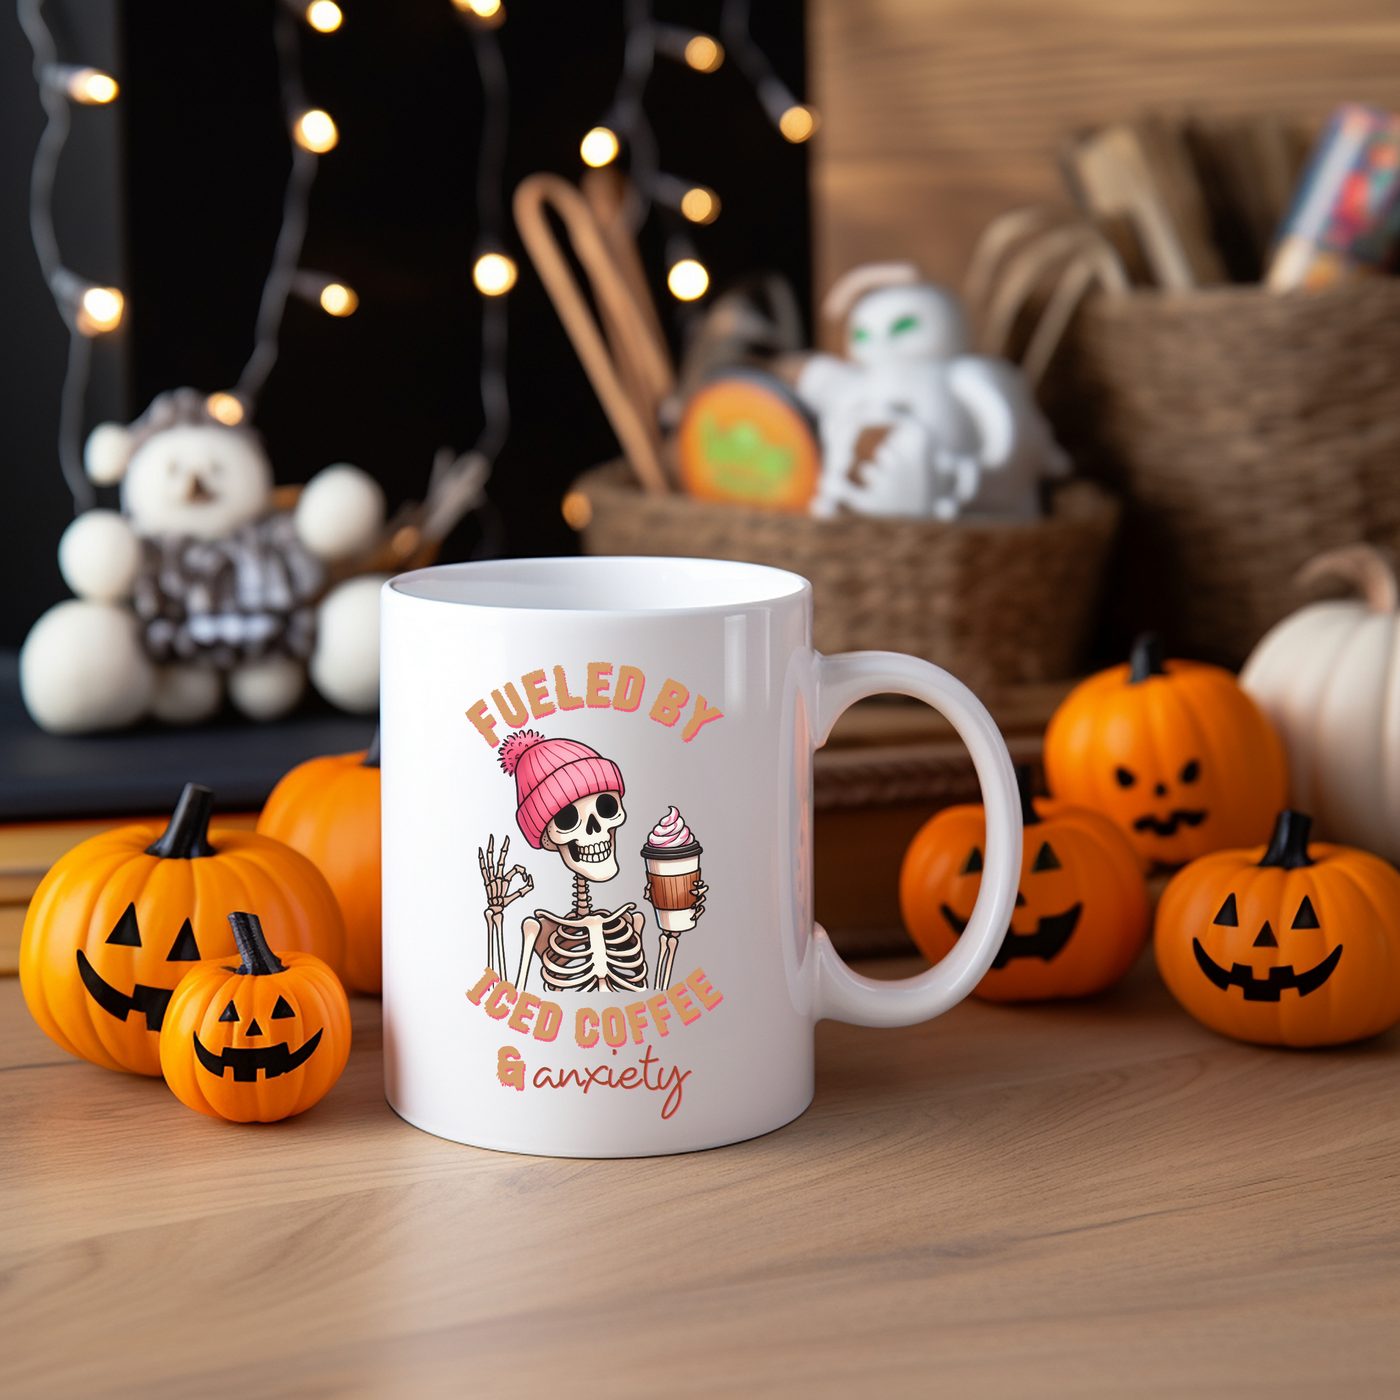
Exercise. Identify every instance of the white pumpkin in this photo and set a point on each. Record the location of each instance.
(1328, 677)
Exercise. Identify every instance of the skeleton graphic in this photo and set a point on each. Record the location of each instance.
(569, 802)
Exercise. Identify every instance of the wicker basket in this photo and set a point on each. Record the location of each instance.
(996, 603)
(1246, 432)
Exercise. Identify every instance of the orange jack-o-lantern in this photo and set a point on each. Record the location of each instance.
(1081, 915)
(328, 809)
(257, 1041)
(1293, 945)
(117, 922)
(1174, 751)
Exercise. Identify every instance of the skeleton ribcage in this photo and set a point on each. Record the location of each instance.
(604, 954)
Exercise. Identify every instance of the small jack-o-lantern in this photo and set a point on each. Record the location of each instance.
(116, 923)
(1293, 945)
(1081, 915)
(328, 809)
(1174, 751)
(257, 1041)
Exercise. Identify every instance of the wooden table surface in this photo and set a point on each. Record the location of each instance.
(1082, 1200)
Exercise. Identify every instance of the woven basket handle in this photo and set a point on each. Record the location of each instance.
(843, 995)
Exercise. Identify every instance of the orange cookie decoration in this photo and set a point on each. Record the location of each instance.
(745, 439)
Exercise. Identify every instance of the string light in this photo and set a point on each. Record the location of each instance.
(494, 274)
(87, 310)
(700, 205)
(688, 280)
(226, 408)
(576, 509)
(459, 480)
(797, 123)
(329, 293)
(491, 12)
(90, 86)
(704, 54)
(324, 16)
(599, 147)
(626, 121)
(316, 132)
(282, 276)
(99, 310)
(338, 300)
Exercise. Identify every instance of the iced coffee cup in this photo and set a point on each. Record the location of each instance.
(673, 870)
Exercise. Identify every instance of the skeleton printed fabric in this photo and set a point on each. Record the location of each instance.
(570, 802)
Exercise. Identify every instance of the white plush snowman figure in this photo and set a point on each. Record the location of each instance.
(911, 422)
(198, 585)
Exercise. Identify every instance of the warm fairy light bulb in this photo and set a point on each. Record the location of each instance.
(316, 131)
(699, 205)
(100, 309)
(798, 123)
(687, 279)
(324, 16)
(494, 274)
(338, 299)
(599, 147)
(91, 86)
(577, 510)
(482, 9)
(226, 408)
(704, 54)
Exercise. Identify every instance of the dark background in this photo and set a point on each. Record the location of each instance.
(174, 194)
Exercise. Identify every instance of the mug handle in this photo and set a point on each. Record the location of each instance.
(843, 995)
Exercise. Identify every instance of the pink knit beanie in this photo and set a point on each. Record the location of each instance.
(551, 773)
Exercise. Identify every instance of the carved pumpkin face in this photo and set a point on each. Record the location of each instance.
(121, 918)
(1081, 913)
(259, 1040)
(1293, 945)
(1174, 751)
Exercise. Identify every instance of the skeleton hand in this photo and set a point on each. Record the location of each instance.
(497, 878)
(699, 889)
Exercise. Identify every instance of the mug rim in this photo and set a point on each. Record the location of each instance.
(768, 585)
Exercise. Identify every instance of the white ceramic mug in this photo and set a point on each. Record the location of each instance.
(543, 722)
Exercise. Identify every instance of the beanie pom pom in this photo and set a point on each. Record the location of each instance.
(514, 748)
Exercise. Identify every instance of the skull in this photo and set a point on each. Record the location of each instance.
(585, 835)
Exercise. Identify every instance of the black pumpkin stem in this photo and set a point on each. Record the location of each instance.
(1024, 785)
(371, 759)
(187, 836)
(1289, 847)
(258, 959)
(1146, 658)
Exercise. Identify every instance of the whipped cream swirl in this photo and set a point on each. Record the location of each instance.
(671, 830)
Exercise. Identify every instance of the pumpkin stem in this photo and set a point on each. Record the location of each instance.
(1289, 847)
(187, 836)
(371, 759)
(258, 959)
(1364, 567)
(1146, 658)
(1029, 816)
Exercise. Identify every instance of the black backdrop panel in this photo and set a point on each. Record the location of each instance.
(393, 213)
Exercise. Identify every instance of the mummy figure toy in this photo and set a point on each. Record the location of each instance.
(911, 422)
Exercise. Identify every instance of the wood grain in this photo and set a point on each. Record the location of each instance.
(1083, 1200)
(940, 114)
